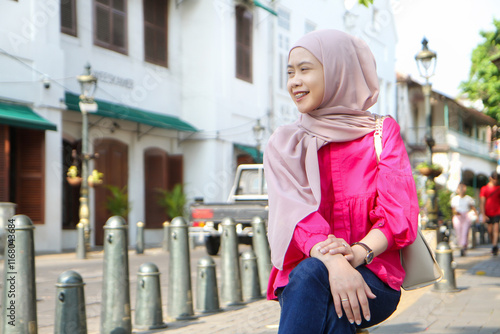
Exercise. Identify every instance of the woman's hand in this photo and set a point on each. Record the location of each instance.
(333, 245)
(349, 290)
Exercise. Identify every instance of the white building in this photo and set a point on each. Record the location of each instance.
(182, 84)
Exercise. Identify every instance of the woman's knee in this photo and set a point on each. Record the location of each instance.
(309, 271)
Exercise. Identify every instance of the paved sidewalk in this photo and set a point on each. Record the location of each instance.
(474, 309)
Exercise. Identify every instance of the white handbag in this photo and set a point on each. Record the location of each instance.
(417, 259)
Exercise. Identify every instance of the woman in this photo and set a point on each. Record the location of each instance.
(461, 205)
(337, 218)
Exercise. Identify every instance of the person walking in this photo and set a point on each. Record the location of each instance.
(490, 209)
(461, 206)
(337, 217)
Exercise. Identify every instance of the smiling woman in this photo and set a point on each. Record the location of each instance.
(305, 80)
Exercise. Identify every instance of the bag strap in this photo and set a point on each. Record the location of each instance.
(377, 136)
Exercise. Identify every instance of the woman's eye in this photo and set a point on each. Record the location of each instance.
(304, 69)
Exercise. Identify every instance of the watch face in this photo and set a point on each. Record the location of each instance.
(369, 257)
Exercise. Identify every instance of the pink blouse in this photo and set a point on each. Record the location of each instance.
(358, 195)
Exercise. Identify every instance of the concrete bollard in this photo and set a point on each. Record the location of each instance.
(81, 252)
(444, 257)
(207, 295)
(231, 280)
(70, 304)
(115, 305)
(19, 288)
(250, 276)
(180, 296)
(139, 246)
(262, 252)
(166, 237)
(148, 311)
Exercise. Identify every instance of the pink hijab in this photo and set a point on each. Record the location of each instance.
(291, 159)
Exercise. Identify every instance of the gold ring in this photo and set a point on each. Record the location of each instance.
(345, 299)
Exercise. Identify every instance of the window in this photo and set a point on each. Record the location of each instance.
(68, 17)
(308, 27)
(110, 24)
(244, 23)
(155, 31)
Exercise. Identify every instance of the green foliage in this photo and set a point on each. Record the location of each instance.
(118, 204)
(444, 207)
(365, 3)
(425, 164)
(173, 201)
(484, 82)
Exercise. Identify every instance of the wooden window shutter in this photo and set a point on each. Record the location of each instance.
(175, 170)
(30, 171)
(68, 17)
(110, 24)
(155, 31)
(244, 24)
(155, 177)
(4, 164)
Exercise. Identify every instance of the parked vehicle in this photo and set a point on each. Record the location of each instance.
(247, 199)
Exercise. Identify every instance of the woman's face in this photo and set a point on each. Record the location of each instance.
(306, 82)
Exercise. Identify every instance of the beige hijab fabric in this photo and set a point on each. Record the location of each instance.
(291, 159)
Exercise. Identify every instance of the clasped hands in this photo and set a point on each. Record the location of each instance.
(349, 290)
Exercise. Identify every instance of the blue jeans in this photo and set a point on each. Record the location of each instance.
(307, 303)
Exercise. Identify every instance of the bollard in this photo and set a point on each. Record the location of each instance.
(231, 281)
(139, 246)
(444, 257)
(70, 304)
(473, 232)
(262, 252)
(180, 297)
(166, 236)
(250, 276)
(207, 295)
(81, 252)
(115, 305)
(482, 231)
(19, 288)
(148, 311)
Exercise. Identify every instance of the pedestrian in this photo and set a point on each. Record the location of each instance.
(337, 217)
(489, 197)
(462, 205)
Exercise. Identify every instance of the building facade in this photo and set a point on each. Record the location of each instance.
(182, 87)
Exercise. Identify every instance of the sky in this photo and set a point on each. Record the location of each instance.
(452, 28)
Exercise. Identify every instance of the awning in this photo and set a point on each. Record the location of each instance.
(252, 151)
(119, 111)
(22, 116)
(261, 5)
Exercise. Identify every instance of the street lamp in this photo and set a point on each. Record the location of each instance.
(258, 132)
(88, 85)
(426, 63)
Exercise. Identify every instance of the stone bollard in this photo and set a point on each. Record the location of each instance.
(180, 296)
(250, 276)
(115, 304)
(231, 281)
(166, 237)
(70, 304)
(139, 246)
(444, 257)
(262, 252)
(19, 288)
(148, 311)
(81, 252)
(207, 295)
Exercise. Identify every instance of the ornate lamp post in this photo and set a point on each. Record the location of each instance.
(426, 63)
(88, 85)
(258, 132)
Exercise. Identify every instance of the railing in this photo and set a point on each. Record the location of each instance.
(452, 138)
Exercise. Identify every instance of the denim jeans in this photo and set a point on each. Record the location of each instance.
(307, 303)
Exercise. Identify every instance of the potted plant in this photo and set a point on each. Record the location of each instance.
(173, 201)
(72, 176)
(95, 178)
(426, 169)
(118, 204)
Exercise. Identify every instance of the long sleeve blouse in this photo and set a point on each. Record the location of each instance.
(357, 195)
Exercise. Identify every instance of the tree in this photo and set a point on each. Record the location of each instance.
(484, 77)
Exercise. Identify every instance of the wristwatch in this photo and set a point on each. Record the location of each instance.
(369, 254)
